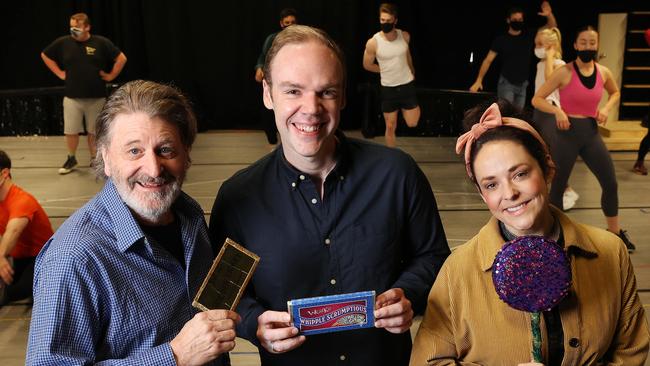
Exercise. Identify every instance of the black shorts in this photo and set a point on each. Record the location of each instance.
(398, 97)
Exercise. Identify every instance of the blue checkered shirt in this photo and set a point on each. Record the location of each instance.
(103, 293)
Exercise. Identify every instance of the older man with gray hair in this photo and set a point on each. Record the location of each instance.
(116, 281)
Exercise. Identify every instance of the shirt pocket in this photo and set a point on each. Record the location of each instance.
(376, 252)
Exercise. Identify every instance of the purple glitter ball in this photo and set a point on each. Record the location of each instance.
(531, 273)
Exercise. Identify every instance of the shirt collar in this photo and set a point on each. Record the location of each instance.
(576, 242)
(295, 176)
(126, 229)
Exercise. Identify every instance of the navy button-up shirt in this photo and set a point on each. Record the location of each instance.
(104, 293)
(377, 227)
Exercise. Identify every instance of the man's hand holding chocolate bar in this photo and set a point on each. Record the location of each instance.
(393, 311)
(205, 337)
(276, 333)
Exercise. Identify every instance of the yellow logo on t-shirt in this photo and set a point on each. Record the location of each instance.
(90, 51)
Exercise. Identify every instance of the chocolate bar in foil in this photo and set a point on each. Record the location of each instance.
(226, 281)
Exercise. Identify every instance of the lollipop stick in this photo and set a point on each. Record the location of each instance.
(537, 337)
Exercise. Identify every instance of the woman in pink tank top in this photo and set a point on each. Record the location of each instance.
(581, 84)
(580, 101)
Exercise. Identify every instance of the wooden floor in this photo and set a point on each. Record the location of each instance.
(217, 155)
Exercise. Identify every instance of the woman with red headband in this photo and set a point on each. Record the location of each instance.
(465, 323)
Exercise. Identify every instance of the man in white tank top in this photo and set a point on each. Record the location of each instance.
(390, 47)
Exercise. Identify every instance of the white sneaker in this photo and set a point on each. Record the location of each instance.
(567, 203)
(571, 194)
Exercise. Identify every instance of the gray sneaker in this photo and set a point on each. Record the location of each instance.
(69, 165)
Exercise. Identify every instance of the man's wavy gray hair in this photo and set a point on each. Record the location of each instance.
(155, 100)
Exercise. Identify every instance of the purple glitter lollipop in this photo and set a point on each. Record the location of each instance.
(531, 273)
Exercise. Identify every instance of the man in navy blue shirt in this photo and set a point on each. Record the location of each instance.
(288, 16)
(328, 215)
(115, 283)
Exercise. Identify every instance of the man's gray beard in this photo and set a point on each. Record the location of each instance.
(152, 213)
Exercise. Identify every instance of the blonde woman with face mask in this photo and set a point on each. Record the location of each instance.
(548, 49)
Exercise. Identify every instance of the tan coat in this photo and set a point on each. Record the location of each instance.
(603, 320)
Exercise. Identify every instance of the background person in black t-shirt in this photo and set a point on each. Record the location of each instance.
(515, 48)
(288, 16)
(81, 60)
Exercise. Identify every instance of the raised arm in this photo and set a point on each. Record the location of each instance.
(550, 65)
(546, 11)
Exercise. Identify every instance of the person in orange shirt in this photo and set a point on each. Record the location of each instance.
(24, 229)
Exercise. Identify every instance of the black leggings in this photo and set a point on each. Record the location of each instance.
(545, 124)
(583, 139)
(644, 147)
(21, 288)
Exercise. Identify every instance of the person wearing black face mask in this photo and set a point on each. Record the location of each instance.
(390, 48)
(82, 60)
(586, 56)
(515, 49)
(581, 84)
(387, 27)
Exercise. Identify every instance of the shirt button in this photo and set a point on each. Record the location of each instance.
(574, 342)
(342, 357)
(314, 201)
(333, 281)
(302, 177)
(328, 241)
(293, 184)
(341, 177)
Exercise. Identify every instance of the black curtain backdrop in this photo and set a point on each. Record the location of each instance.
(208, 48)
